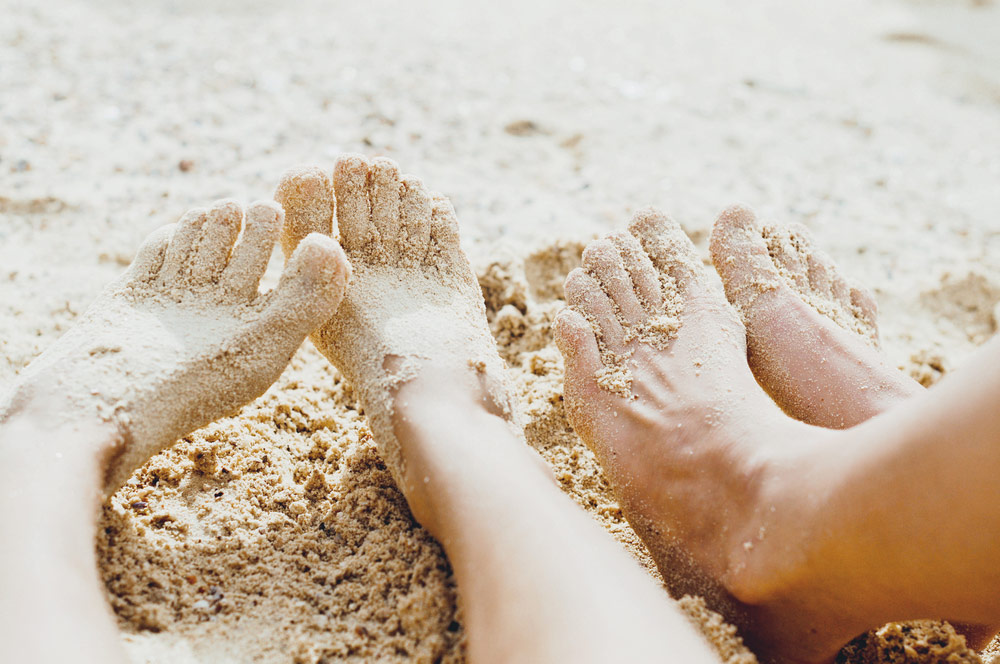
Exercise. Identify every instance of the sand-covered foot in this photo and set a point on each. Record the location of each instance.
(657, 385)
(413, 308)
(812, 337)
(183, 337)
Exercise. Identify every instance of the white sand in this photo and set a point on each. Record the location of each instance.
(875, 123)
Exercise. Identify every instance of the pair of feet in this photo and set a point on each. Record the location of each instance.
(679, 390)
(184, 337)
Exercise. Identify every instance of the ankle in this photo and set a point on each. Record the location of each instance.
(768, 555)
(455, 445)
(46, 440)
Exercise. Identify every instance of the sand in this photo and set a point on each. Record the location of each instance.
(869, 122)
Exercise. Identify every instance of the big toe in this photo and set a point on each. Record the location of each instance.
(740, 256)
(311, 286)
(306, 194)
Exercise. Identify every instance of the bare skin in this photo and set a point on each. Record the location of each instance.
(824, 373)
(181, 339)
(810, 535)
(412, 336)
(817, 370)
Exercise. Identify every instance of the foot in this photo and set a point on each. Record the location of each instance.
(812, 338)
(413, 312)
(183, 337)
(702, 460)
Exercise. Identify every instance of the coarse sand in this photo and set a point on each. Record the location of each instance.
(278, 533)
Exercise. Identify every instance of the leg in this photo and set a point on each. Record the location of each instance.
(811, 337)
(811, 536)
(412, 337)
(182, 339)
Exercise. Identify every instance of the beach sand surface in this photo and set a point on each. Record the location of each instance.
(278, 535)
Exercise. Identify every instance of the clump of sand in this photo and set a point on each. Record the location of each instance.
(903, 643)
(279, 535)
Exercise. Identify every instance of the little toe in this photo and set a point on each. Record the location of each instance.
(306, 194)
(216, 241)
(415, 216)
(642, 272)
(384, 190)
(668, 247)
(350, 185)
(584, 294)
(602, 261)
(149, 258)
(444, 245)
(311, 286)
(575, 339)
(444, 236)
(182, 243)
(249, 260)
(740, 256)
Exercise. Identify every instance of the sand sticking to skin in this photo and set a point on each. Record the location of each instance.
(810, 273)
(184, 337)
(279, 535)
(673, 254)
(413, 297)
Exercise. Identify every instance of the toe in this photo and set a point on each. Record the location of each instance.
(840, 289)
(216, 241)
(602, 261)
(864, 306)
(415, 214)
(306, 195)
(820, 275)
(584, 294)
(444, 236)
(350, 185)
(182, 243)
(668, 246)
(311, 286)
(642, 272)
(575, 339)
(789, 248)
(384, 191)
(249, 260)
(740, 256)
(149, 258)
(444, 245)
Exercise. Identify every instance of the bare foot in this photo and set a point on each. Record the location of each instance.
(413, 310)
(812, 338)
(184, 337)
(788, 293)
